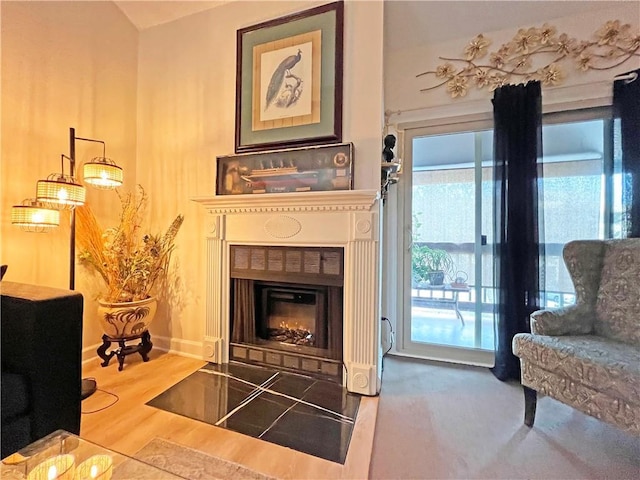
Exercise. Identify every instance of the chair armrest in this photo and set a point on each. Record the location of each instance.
(571, 320)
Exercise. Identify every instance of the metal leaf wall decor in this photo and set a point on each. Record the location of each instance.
(535, 54)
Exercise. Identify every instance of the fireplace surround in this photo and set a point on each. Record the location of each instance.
(348, 220)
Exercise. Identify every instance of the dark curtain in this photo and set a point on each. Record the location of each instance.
(626, 106)
(517, 145)
(243, 328)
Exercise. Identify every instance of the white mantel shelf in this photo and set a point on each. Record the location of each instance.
(339, 200)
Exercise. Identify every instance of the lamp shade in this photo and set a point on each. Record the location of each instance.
(34, 216)
(60, 191)
(102, 172)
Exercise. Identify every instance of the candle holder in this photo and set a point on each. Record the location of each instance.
(98, 467)
(60, 467)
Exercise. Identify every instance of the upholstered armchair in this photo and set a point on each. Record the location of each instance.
(587, 355)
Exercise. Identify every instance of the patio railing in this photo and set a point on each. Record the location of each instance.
(559, 288)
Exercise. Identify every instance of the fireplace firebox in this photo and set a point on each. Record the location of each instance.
(287, 308)
(290, 315)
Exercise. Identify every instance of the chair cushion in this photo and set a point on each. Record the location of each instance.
(15, 395)
(618, 302)
(605, 365)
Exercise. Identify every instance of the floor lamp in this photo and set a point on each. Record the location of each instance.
(60, 191)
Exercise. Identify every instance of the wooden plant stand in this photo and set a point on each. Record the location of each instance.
(143, 348)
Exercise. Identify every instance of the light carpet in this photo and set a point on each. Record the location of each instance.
(184, 462)
(438, 420)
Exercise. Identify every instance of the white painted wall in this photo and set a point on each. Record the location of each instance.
(186, 117)
(64, 64)
(402, 88)
(166, 109)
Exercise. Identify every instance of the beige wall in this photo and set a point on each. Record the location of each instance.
(164, 101)
(402, 88)
(186, 112)
(64, 64)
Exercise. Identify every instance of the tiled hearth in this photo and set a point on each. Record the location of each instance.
(295, 411)
(347, 220)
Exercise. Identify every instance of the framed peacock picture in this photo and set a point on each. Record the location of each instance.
(289, 81)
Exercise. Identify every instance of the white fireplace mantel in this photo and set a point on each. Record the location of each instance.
(348, 218)
(340, 200)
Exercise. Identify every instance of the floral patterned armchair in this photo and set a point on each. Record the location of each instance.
(587, 355)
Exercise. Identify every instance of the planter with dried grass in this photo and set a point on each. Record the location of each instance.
(130, 263)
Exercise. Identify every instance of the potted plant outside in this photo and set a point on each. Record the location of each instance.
(130, 263)
(430, 264)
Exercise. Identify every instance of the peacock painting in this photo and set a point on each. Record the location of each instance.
(285, 77)
(282, 72)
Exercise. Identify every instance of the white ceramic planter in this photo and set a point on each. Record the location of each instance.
(126, 319)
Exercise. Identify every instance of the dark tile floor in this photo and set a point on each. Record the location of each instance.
(299, 412)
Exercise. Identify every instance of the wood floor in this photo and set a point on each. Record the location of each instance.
(129, 424)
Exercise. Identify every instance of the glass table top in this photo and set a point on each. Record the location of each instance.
(64, 455)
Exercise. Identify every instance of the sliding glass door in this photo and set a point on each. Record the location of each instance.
(448, 294)
(577, 195)
(449, 225)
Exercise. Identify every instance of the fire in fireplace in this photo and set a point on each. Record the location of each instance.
(290, 315)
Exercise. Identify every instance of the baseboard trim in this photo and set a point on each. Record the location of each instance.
(452, 355)
(90, 353)
(185, 348)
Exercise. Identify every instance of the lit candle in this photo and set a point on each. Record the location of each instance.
(96, 467)
(60, 467)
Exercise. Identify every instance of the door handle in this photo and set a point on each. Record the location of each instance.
(483, 239)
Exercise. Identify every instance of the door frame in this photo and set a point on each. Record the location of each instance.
(404, 346)
(554, 113)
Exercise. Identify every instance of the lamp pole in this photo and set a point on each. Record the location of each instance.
(88, 385)
(72, 218)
